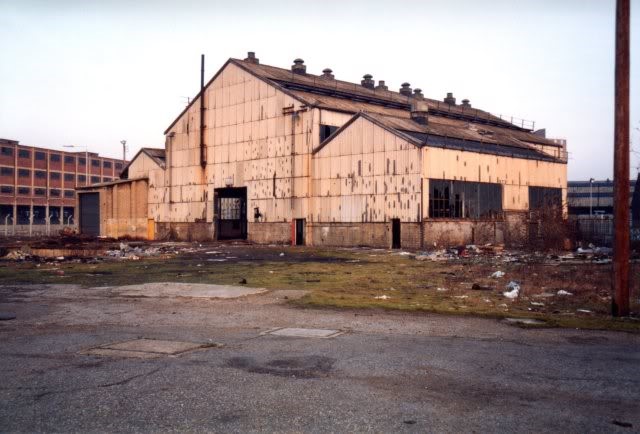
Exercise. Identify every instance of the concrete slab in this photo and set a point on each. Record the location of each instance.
(304, 333)
(145, 348)
(192, 290)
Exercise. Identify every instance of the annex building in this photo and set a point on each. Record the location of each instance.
(282, 155)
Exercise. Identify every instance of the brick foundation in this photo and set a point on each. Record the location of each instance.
(269, 233)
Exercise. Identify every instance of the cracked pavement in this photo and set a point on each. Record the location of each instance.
(390, 371)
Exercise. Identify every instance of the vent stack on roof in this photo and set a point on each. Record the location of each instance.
(419, 112)
(417, 93)
(367, 81)
(381, 85)
(450, 99)
(299, 67)
(405, 89)
(251, 58)
(327, 74)
(466, 103)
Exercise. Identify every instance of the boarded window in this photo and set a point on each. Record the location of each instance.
(544, 197)
(460, 199)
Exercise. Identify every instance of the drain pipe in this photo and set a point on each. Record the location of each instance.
(203, 149)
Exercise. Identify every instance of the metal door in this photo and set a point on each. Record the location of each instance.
(90, 213)
(231, 213)
(395, 232)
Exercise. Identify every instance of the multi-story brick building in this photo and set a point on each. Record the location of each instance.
(38, 184)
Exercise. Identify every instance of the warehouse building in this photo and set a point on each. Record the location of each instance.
(37, 185)
(282, 155)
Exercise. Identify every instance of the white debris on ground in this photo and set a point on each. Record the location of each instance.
(441, 289)
(382, 297)
(498, 274)
(563, 292)
(583, 310)
(513, 290)
(536, 303)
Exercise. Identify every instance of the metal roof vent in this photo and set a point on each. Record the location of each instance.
(405, 89)
(251, 58)
(417, 93)
(381, 85)
(466, 103)
(299, 67)
(327, 74)
(450, 99)
(420, 112)
(367, 81)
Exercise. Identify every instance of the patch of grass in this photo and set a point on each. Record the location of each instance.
(353, 278)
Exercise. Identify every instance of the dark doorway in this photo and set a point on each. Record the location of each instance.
(231, 213)
(90, 213)
(395, 231)
(300, 232)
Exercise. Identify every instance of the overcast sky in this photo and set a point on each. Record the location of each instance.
(96, 72)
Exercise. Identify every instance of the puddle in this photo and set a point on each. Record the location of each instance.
(296, 367)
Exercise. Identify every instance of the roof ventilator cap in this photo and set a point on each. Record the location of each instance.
(251, 58)
(367, 81)
(450, 99)
(420, 112)
(327, 73)
(381, 85)
(417, 93)
(299, 67)
(405, 89)
(466, 103)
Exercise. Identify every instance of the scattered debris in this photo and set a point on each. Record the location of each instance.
(478, 287)
(583, 311)
(525, 321)
(441, 289)
(536, 303)
(498, 274)
(513, 290)
(563, 292)
(382, 297)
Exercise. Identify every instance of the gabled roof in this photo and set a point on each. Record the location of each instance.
(156, 154)
(438, 134)
(447, 120)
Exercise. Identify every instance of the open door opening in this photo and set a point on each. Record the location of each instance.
(300, 229)
(89, 213)
(395, 232)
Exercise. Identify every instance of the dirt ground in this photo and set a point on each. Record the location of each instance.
(565, 290)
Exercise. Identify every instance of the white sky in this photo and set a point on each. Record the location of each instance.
(96, 72)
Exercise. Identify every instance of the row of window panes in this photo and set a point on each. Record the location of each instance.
(461, 199)
(39, 214)
(54, 176)
(26, 191)
(68, 159)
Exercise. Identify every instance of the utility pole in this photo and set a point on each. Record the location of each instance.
(620, 305)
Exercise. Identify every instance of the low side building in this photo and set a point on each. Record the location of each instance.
(280, 155)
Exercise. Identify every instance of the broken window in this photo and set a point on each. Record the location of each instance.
(544, 197)
(326, 131)
(461, 199)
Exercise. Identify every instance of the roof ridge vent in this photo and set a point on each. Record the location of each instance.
(417, 93)
(466, 103)
(450, 99)
(405, 89)
(381, 85)
(420, 112)
(367, 81)
(327, 74)
(299, 67)
(251, 58)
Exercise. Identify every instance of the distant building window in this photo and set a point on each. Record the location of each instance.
(106, 164)
(40, 174)
(544, 197)
(95, 179)
(326, 131)
(68, 159)
(23, 153)
(460, 199)
(69, 177)
(6, 189)
(54, 192)
(6, 171)
(105, 179)
(118, 166)
(24, 191)
(54, 158)
(95, 163)
(7, 151)
(24, 173)
(82, 178)
(41, 155)
(54, 176)
(69, 194)
(39, 191)
(82, 161)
